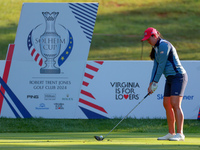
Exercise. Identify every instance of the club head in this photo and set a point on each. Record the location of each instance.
(99, 138)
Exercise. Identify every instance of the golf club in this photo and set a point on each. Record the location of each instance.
(101, 138)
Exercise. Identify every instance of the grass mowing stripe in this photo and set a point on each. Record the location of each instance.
(92, 125)
(85, 140)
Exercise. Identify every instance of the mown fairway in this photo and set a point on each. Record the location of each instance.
(38, 133)
(85, 140)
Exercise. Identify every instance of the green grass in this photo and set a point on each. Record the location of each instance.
(80, 141)
(120, 25)
(78, 134)
(8, 125)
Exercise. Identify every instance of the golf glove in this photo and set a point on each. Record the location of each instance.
(154, 86)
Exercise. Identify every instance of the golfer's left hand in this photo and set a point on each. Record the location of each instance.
(152, 87)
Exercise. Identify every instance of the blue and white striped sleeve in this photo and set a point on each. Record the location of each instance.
(163, 53)
(154, 70)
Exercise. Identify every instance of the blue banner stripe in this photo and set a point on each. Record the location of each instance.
(84, 25)
(93, 11)
(89, 38)
(92, 115)
(16, 101)
(87, 30)
(11, 107)
(96, 5)
(83, 17)
(84, 21)
(87, 33)
(84, 11)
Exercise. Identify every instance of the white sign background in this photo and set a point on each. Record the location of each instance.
(111, 73)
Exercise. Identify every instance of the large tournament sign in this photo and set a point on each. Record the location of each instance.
(48, 60)
(46, 72)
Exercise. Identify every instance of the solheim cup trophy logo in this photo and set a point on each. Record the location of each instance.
(50, 43)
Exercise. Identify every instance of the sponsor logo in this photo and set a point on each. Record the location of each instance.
(59, 105)
(125, 90)
(67, 98)
(50, 96)
(41, 107)
(185, 97)
(32, 96)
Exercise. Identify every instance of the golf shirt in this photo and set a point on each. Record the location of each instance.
(166, 61)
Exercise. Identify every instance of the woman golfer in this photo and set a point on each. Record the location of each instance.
(166, 61)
